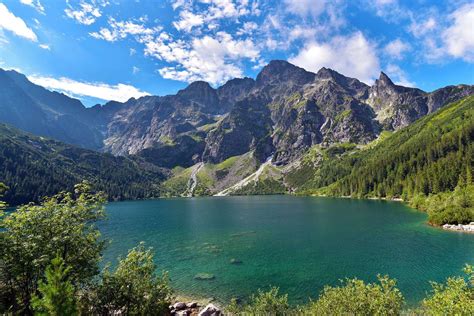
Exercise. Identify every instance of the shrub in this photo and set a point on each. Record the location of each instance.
(357, 298)
(133, 288)
(263, 303)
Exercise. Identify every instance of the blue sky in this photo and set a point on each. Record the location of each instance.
(99, 50)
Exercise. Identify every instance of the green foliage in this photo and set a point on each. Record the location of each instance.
(34, 167)
(3, 205)
(448, 207)
(262, 187)
(133, 288)
(33, 235)
(456, 297)
(177, 184)
(358, 298)
(58, 297)
(263, 303)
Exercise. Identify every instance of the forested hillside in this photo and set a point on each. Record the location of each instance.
(34, 167)
(433, 155)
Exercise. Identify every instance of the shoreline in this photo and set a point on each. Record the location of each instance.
(460, 228)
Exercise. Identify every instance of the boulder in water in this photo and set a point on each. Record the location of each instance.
(204, 276)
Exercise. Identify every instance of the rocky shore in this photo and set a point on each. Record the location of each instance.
(194, 308)
(461, 228)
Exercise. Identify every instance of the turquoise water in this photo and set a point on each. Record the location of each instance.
(296, 243)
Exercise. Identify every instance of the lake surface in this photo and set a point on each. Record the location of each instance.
(296, 243)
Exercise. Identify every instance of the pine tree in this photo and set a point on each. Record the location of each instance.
(57, 292)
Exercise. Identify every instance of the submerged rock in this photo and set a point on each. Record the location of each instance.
(204, 276)
(235, 261)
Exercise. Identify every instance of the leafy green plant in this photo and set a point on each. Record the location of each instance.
(57, 294)
(33, 235)
(356, 297)
(455, 297)
(262, 303)
(133, 288)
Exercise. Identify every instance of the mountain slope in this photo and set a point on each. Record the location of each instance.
(427, 157)
(34, 109)
(429, 164)
(34, 167)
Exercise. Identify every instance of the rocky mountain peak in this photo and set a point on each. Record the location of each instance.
(327, 73)
(384, 80)
(350, 85)
(200, 92)
(196, 87)
(278, 71)
(233, 91)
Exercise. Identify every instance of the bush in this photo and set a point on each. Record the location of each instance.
(263, 303)
(358, 298)
(33, 235)
(133, 289)
(456, 297)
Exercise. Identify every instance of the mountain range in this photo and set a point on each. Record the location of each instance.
(206, 140)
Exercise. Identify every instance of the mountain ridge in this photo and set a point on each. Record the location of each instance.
(283, 112)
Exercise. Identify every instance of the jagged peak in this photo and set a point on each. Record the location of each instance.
(384, 79)
(327, 73)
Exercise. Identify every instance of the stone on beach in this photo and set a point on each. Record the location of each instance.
(179, 306)
(210, 310)
(460, 227)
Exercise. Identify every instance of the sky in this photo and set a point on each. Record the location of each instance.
(100, 50)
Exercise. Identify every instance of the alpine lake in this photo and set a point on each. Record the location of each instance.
(229, 247)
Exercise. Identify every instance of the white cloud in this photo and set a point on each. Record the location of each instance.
(399, 76)
(397, 48)
(14, 24)
(352, 56)
(421, 28)
(247, 29)
(45, 46)
(87, 12)
(208, 12)
(121, 29)
(306, 8)
(212, 59)
(135, 70)
(458, 38)
(120, 92)
(3, 39)
(35, 4)
(188, 20)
